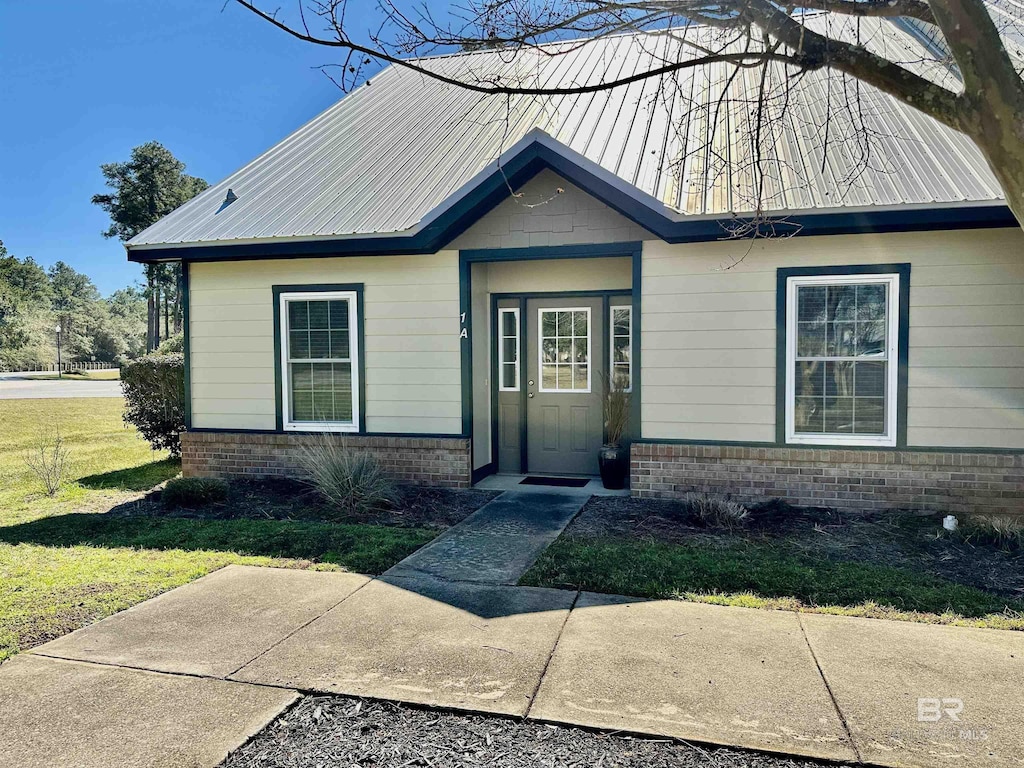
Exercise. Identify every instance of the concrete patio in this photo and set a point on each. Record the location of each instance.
(184, 678)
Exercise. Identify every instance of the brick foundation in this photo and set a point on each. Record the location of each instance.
(842, 479)
(437, 461)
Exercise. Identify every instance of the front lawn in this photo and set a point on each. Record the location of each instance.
(72, 559)
(881, 566)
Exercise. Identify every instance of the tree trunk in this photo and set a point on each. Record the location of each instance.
(156, 315)
(150, 315)
(178, 295)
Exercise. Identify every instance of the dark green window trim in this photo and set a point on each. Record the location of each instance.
(356, 288)
(902, 351)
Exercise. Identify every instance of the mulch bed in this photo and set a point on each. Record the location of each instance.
(342, 731)
(418, 507)
(894, 539)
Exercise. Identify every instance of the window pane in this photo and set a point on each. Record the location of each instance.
(339, 344)
(508, 324)
(298, 345)
(579, 324)
(302, 376)
(343, 391)
(549, 376)
(810, 340)
(620, 350)
(508, 350)
(810, 379)
(547, 323)
(565, 376)
(323, 405)
(322, 376)
(870, 379)
(579, 377)
(839, 379)
(302, 406)
(318, 315)
(869, 416)
(319, 344)
(842, 302)
(564, 327)
(548, 351)
(808, 414)
(339, 315)
(871, 301)
(298, 315)
(580, 351)
(508, 375)
(620, 322)
(871, 337)
(620, 376)
(838, 414)
(811, 304)
(842, 340)
(564, 350)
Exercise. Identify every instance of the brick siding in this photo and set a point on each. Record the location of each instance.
(436, 461)
(842, 479)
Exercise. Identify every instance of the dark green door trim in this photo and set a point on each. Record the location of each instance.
(357, 288)
(902, 352)
(631, 249)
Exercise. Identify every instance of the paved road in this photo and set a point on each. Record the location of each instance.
(16, 386)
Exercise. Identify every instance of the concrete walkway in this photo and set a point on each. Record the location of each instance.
(187, 676)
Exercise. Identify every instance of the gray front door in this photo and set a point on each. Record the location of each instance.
(564, 421)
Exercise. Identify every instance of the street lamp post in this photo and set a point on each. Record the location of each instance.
(60, 372)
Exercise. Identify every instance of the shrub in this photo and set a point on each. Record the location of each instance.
(193, 491)
(49, 460)
(715, 512)
(1004, 531)
(352, 482)
(172, 344)
(154, 393)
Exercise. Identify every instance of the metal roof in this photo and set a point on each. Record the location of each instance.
(387, 156)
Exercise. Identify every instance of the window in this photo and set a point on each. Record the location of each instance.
(842, 359)
(621, 344)
(565, 350)
(318, 361)
(508, 350)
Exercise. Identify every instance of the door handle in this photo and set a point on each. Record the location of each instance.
(530, 394)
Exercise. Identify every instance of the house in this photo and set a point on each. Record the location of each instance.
(374, 275)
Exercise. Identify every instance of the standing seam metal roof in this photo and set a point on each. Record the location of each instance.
(385, 156)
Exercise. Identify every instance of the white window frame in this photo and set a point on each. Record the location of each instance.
(611, 343)
(502, 362)
(540, 350)
(892, 280)
(353, 359)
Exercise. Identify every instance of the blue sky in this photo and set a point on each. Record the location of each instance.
(84, 82)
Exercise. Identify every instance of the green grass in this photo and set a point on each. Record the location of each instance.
(65, 562)
(757, 574)
(112, 374)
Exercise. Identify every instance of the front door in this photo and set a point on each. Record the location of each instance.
(563, 382)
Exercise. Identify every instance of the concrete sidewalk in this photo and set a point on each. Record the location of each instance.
(189, 675)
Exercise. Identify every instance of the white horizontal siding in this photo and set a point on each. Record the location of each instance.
(708, 346)
(411, 333)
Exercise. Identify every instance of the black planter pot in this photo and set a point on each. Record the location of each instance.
(614, 463)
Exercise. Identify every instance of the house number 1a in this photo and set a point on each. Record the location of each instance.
(464, 333)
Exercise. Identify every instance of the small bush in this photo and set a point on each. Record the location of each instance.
(193, 491)
(49, 460)
(353, 483)
(171, 345)
(714, 512)
(154, 393)
(1003, 531)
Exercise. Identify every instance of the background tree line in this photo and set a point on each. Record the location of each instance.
(34, 301)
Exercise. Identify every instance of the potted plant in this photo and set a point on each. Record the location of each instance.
(613, 458)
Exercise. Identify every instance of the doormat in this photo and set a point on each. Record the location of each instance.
(562, 482)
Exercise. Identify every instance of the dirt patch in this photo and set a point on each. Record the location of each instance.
(894, 539)
(418, 507)
(341, 731)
